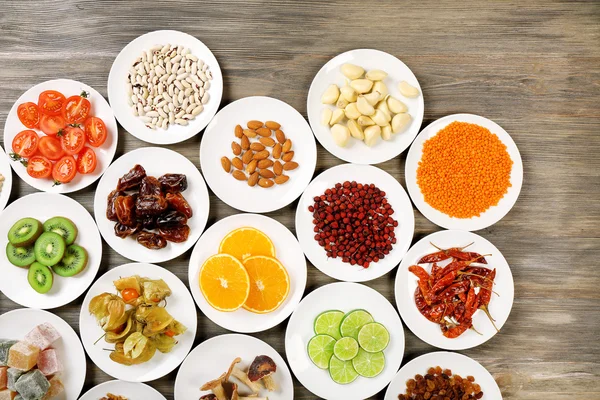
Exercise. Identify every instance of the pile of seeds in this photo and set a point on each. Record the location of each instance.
(255, 152)
(168, 85)
(441, 385)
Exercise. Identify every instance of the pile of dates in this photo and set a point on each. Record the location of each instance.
(151, 209)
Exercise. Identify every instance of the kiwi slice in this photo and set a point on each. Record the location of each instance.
(25, 232)
(73, 262)
(49, 249)
(63, 226)
(40, 277)
(20, 256)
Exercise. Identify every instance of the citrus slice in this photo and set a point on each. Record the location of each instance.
(346, 348)
(353, 321)
(328, 323)
(224, 282)
(269, 284)
(368, 364)
(342, 372)
(373, 337)
(246, 242)
(320, 350)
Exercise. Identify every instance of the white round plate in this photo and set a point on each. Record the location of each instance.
(213, 357)
(156, 161)
(287, 250)
(499, 307)
(180, 305)
(345, 297)
(216, 143)
(397, 197)
(130, 390)
(43, 206)
(493, 214)
(18, 323)
(457, 363)
(104, 153)
(118, 78)
(357, 151)
(6, 172)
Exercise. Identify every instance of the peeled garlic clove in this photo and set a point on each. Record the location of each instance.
(372, 135)
(361, 85)
(364, 107)
(395, 105)
(372, 97)
(381, 118)
(407, 90)
(363, 120)
(340, 134)
(326, 116)
(400, 122)
(355, 130)
(342, 102)
(381, 88)
(331, 94)
(351, 111)
(352, 71)
(386, 132)
(382, 105)
(376, 75)
(336, 116)
(348, 93)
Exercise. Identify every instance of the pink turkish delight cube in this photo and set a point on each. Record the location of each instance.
(3, 378)
(56, 388)
(42, 336)
(23, 356)
(48, 362)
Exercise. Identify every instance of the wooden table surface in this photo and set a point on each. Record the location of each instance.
(533, 67)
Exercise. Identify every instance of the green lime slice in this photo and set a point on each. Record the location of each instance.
(368, 364)
(353, 321)
(373, 337)
(342, 372)
(328, 323)
(346, 348)
(320, 350)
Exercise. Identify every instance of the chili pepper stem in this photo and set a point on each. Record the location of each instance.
(487, 312)
(460, 248)
(473, 328)
(479, 276)
(484, 288)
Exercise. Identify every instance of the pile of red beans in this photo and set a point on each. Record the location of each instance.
(353, 221)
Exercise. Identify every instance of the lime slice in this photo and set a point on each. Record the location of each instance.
(353, 321)
(328, 323)
(320, 350)
(368, 364)
(342, 372)
(373, 337)
(346, 348)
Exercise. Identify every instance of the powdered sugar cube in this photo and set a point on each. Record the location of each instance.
(5, 345)
(33, 385)
(3, 378)
(42, 336)
(48, 362)
(23, 356)
(56, 388)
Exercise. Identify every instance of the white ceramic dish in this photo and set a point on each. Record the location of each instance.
(130, 390)
(288, 252)
(216, 143)
(212, 357)
(156, 161)
(457, 363)
(180, 305)
(104, 153)
(117, 88)
(345, 297)
(6, 172)
(397, 197)
(18, 323)
(43, 206)
(499, 306)
(357, 151)
(493, 214)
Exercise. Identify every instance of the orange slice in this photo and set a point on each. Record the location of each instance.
(269, 284)
(224, 282)
(246, 242)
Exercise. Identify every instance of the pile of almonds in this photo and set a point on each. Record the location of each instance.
(258, 158)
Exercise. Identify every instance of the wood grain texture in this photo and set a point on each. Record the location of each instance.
(533, 67)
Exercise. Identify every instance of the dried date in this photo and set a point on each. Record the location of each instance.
(125, 210)
(151, 240)
(148, 222)
(178, 202)
(176, 234)
(173, 183)
(150, 186)
(151, 205)
(170, 219)
(132, 179)
(111, 212)
(123, 231)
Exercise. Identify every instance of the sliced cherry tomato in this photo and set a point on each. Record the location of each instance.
(39, 167)
(29, 114)
(51, 102)
(52, 124)
(64, 170)
(95, 131)
(76, 108)
(86, 161)
(129, 294)
(25, 143)
(72, 140)
(50, 148)
(170, 333)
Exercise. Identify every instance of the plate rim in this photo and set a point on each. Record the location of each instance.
(8, 180)
(107, 383)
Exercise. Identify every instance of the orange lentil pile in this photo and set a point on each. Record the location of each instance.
(464, 170)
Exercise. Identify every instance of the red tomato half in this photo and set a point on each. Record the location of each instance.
(52, 124)
(86, 161)
(51, 102)
(29, 114)
(25, 143)
(50, 148)
(76, 109)
(39, 167)
(64, 170)
(95, 131)
(72, 140)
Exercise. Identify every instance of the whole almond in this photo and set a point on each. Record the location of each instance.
(237, 163)
(245, 142)
(280, 136)
(226, 164)
(251, 167)
(247, 157)
(272, 125)
(264, 132)
(239, 175)
(250, 133)
(239, 131)
(288, 166)
(287, 146)
(288, 156)
(237, 149)
(266, 173)
(277, 151)
(253, 179)
(261, 155)
(264, 182)
(267, 141)
(278, 168)
(254, 124)
(281, 179)
(257, 146)
(265, 163)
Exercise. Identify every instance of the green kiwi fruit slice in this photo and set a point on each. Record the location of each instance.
(63, 226)
(25, 232)
(49, 249)
(20, 256)
(40, 277)
(73, 262)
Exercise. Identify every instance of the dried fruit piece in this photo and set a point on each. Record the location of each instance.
(251, 167)
(281, 179)
(278, 168)
(277, 151)
(288, 156)
(287, 146)
(264, 182)
(247, 157)
(254, 124)
(253, 179)
(226, 164)
(266, 163)
(264, 132)
(273, 125)
(237, 163)
(266, 173)
(179, 203)
(245, 143)
(257, 146)
(238, 131)
(261, 155)
(280, 136)
(151, 240)
(267, 141)
(236, 148)
(288, 166)
(250, 133)
(239, 175)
